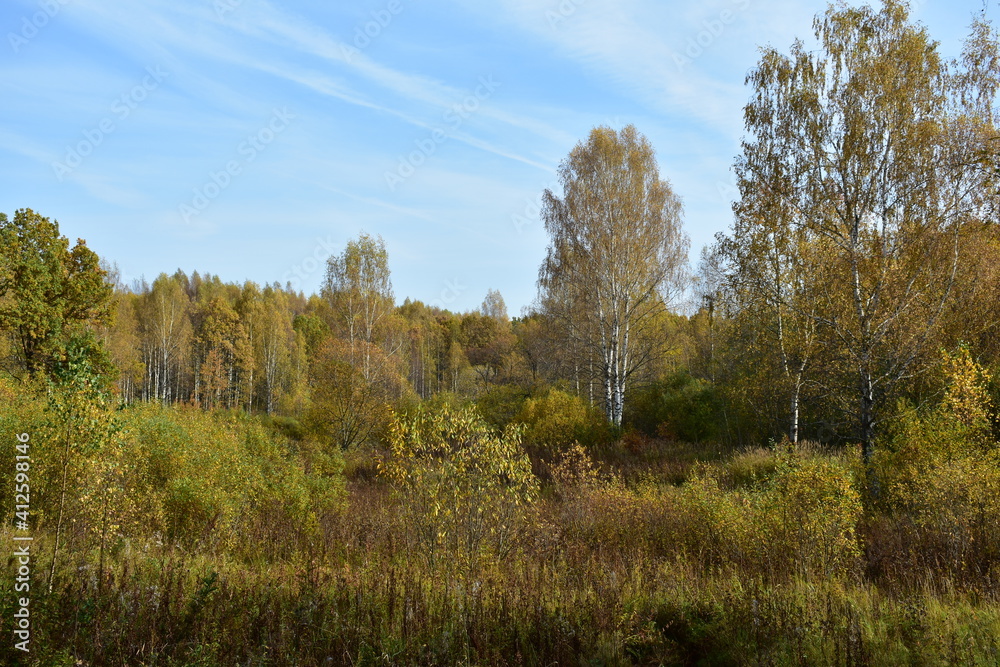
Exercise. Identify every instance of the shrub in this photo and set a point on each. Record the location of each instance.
(678, 408)
(500, 404)
(750, 468)
(573, 471)
(802, 522)
(716, 526)
(940, 469)
(217, 478)
(811, 513)
(463, 486)
(556, 419)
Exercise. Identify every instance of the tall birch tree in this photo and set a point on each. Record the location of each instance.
(863, 162)
(616, 255)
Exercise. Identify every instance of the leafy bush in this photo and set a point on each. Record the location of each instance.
(439, 401)
(750, 468)
(573, 471)
(556, 419)
(940, 469)
(678, 408)
(214, 478)
(803, 521)
(500, 404)
(464, 486)
(810, 514)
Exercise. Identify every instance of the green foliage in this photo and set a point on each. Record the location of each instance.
(217, 478)
(80, 428)
(445, 400)
(750, 468)
(48, 292)
(679, 408)
(191, 536)
(288, 427)
(811, 513)
(555, 419)
(941, 468)
(465, 487)
(313, 329)
(801, 521)
(347, 408)
(149, 473)
(920, 442)
(500, 404)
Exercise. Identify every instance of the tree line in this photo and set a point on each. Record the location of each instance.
(863, 243)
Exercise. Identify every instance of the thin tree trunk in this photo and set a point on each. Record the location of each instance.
(62, 504)
(867, 428)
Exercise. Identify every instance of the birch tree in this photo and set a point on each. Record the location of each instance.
(866, 153)
(616, 255)
(166, 336)
(359, 291)
(275, 343)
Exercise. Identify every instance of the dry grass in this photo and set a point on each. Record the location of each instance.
(677, 568)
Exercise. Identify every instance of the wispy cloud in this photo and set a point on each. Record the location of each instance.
(633, 46)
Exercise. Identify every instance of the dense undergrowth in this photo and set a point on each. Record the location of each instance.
(215, 538)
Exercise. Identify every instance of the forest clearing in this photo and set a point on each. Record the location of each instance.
(788, 454)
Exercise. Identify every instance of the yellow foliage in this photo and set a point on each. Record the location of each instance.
(574, 470)
(464, 487)
(942, 466)
(966, 398)
(811, 513)
(557, 419)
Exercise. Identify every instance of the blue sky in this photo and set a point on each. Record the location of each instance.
(252, 139)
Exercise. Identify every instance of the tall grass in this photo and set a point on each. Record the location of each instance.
(751, 557)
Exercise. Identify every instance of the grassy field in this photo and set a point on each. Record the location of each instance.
(640, 552)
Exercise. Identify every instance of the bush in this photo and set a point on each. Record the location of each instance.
(556, 419)
(811, 513)
(803, 522)
(678, 408)
(940, 471)
(573, 472)
(500, 404)
(463, 486)
(750, 468)
(215, 479)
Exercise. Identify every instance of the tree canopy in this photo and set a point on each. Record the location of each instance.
(49, 292)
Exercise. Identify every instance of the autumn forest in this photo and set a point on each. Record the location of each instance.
(785, 453)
